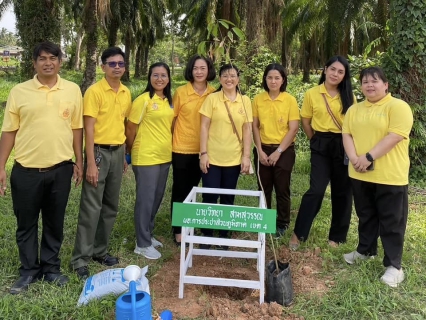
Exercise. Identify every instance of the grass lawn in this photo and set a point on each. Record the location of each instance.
(356, 293)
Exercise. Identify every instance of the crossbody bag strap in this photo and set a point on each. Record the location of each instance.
(234, 128)
(331, 113)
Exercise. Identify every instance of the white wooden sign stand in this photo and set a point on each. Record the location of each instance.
(189, 237)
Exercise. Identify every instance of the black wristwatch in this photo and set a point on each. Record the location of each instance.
(369, 157)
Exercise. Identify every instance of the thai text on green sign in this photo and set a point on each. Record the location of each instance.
(213, 216)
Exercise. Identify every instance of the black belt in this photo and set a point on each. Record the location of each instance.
(60, 164)
(110, 147)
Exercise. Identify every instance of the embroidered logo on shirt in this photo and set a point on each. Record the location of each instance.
(241, 111)
(280, 120)
(66, 113)
(155, 106)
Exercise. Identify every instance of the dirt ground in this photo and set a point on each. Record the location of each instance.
(215, 302)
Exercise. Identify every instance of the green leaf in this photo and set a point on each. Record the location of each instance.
(224, 23)
(240, 34)
(201, 49)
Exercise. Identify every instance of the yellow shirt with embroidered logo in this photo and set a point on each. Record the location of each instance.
(153, 142)
(369, 123)
(44, 119)
(274, 115)
(223, 146)
(187, 104)
(109, 108)
(314, 108)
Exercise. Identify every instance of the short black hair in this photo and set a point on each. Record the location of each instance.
(190, 66)
(345, 86)
(375, 72)
(226, 67)
(281, 70)
(110, 52)
(48, 47)
(167, 90)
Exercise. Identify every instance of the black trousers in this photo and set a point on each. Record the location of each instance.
(326, 166)
(382, 211)
(32, 192)
(186, 175)
(224, 178)
(277, 177)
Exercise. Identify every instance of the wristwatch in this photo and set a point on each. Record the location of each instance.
(369, 157)
(279, 150)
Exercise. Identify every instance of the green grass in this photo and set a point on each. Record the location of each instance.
(356, 294)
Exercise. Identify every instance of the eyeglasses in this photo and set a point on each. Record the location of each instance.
(113, 64)
(158, 76)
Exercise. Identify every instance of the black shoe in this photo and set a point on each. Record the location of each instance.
(82, 272)
(224, 248)
(22, 283)
(106, 260)
(205, 246)
(178, 243)
(280, 232)
(56, 278)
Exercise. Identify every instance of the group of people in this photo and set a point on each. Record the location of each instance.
(204, 134)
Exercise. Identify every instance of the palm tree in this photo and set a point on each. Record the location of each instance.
(94, 11)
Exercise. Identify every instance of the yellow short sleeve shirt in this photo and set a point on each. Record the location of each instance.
(223, 146)
(274, 115)
(153, 142)
(44, 119)
(369, 123)
(314, 108)
(186, 105)
(109, 108)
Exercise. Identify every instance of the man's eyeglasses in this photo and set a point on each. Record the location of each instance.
(159, 76)
(113, 64)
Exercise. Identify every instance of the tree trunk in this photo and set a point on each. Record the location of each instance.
(128, 48)
(145, 52)
(306, 61)
(284, 50)
(79, 40)
(36, 21)
(138, 62)
(91, 29)
(112, 32)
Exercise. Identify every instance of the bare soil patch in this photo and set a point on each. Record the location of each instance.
(215, 302)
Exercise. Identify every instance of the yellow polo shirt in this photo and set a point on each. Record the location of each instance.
(223, 146)
(274, 115)
(314, 108)
(44, 118)
(187, 104)
(153, 142)
(369, 123)
(109, 108)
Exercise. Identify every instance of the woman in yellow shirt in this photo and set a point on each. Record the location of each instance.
(376, 138)
(323, 110)
(149, 137)
(275, 124)
(187, 102)
(224, 152)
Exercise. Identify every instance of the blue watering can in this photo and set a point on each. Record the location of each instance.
(135, 305)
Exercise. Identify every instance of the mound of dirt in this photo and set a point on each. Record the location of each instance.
(215, 302)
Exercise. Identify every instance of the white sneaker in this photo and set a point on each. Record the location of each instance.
(156, 243)
(148, 252)
(393, 276)
(352, 257)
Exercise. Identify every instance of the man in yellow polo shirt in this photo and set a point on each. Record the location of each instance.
(106, 105)
(43, 122)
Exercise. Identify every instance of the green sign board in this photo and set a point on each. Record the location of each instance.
(213, 216)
